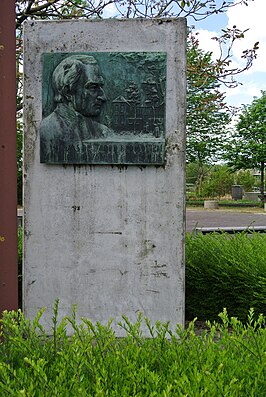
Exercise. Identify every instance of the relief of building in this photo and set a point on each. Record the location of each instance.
(139, 112)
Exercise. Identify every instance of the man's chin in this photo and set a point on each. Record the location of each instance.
(95, 113)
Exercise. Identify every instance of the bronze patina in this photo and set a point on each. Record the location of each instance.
(103, 108)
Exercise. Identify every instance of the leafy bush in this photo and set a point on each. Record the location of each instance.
(193, 201)
(225, 271)
(195, 172)
(246, 179)
(218, 183)
(227, 360)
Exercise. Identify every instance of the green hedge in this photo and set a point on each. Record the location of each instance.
(227, 203)
(227, 360)
(225, 271)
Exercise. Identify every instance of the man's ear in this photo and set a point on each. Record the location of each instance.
(66, 92)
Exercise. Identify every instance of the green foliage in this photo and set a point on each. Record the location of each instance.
(20, 234)
(225, 271)
(196, 171)
(125, 8)
(246, 179)
(227, 360)
(207, 115)
(217, 183)
(194, 201)
(247, 148)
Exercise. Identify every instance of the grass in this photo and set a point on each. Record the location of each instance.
(226, 203)
(227, 360)
(225, 271)
(256, 210)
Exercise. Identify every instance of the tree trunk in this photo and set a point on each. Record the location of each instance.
(262, 181)
(200, 179)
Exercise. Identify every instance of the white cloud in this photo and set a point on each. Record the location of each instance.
(249, 89)
(250, 17)
(206, 42)
(110, 11)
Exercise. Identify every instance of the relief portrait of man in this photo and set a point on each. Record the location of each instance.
(79, 98)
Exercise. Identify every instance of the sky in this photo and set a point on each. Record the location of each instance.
(252, 17)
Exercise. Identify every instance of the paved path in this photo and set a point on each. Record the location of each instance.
(221, 218)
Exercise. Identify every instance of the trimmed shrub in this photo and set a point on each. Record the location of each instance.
(225, 271)
(226, 360)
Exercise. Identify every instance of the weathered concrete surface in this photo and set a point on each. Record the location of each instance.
(211, 204)
(109, 239)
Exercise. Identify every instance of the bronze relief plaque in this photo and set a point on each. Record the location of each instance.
(103, 108)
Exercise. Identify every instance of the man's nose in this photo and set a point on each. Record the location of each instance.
(101, 95)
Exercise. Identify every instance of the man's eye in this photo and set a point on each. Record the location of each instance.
(93, 87)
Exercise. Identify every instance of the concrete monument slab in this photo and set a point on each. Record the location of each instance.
(104, 187)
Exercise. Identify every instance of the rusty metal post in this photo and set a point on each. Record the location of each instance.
(8, 164)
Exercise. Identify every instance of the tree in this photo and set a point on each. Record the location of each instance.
(203, 74)
(218, 182)
(246, 179)
(195, 9)
(207, 114)
(196, 173)
(247, 148)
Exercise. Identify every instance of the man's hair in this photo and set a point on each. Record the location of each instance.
(67, 74)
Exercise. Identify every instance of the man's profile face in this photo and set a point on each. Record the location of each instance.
(89, 96)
